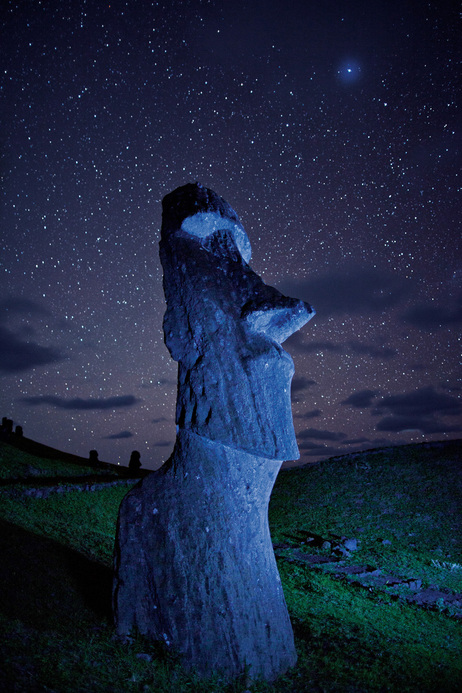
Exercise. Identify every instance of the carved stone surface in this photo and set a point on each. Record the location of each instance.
(194, 564)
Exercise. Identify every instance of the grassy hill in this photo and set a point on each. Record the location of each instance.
(17, 464)
(48, 455)
(360, 540)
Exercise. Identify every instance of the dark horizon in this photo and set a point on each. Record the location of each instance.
(38, 449)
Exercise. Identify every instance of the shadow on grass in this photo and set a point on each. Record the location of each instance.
(49, 586)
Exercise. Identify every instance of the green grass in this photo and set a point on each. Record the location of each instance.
(358, 641)
(18, 465)
(55, 627)
(408, 496)
(84, 521)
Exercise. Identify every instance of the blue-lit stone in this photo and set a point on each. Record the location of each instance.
(194, 564)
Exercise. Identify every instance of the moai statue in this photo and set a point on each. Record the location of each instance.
(194, 563)
(7, 425)
(135, 462)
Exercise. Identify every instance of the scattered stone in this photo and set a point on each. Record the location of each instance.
(314, 540)
(431, 596)
(351, 544)
(368, 577)
(371, 572)
(298, 556)
(358, 570)
(339, 545)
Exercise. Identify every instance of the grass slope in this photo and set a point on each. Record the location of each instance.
(17, 464)
(55, 626)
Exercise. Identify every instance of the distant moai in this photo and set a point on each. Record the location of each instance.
(18, 431)
(94, 457)
(135, 462)
(7, 425)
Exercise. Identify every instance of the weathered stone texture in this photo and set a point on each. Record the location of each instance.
(194, 564)
(197, 568)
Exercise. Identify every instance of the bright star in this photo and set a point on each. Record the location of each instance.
(349, 71)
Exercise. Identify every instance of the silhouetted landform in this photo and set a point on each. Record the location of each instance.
(41, 450)
(437, 445)
(48, 453)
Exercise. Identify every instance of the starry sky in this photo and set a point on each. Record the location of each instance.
(332, 128)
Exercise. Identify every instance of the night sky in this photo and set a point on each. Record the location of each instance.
(332, 128)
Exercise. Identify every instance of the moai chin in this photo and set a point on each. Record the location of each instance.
(194, 563)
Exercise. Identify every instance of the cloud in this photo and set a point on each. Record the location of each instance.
(451, 388)
(325, 451)
(117, 436)
(18, 351)
(361, 399)
(313, 414)
(309, 449)
(356, 441)
(163, 444)
(83, 404)
(320, 435)
(382, 441)
(307, 445)
(418, 410)
(354, 289)
(317, 347)
(424, 402)
(300, 383)
(18, 355)
(428, 316)
(159, 419)
(318, 450)
(402, 424)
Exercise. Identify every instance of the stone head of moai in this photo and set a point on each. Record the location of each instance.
(225, 327)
